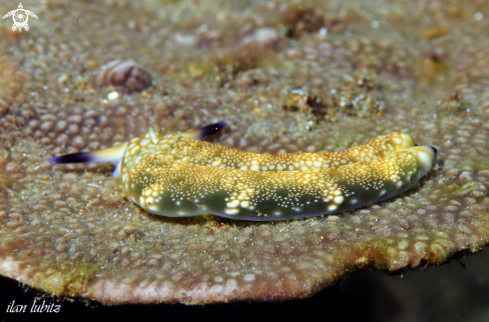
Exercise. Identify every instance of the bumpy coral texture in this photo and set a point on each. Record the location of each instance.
(71, 230)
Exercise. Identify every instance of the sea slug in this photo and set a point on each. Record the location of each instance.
(179, 175)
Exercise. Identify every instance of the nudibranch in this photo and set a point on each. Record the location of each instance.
(179, 175)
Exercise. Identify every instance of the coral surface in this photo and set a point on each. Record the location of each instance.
(288, 76)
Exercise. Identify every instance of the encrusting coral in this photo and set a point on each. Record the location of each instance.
(73, 231)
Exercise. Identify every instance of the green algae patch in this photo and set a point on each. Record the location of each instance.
(476, 165)
(459, 190)
(343, 139)
(199, 70)
(474, 248)
(430, 70)
(374, 254)
(439, 254)
(71, 281)
(384, 255)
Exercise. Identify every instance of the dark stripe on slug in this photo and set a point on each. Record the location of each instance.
(80, 157)
(210, 130)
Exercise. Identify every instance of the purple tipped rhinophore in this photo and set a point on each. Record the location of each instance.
(211, 129)
(73, 158)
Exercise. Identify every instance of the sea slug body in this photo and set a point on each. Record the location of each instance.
(180, 175)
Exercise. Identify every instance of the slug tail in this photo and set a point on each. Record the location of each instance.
(113, 155)
(81, 157)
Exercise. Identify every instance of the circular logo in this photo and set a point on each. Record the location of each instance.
(20, 18)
